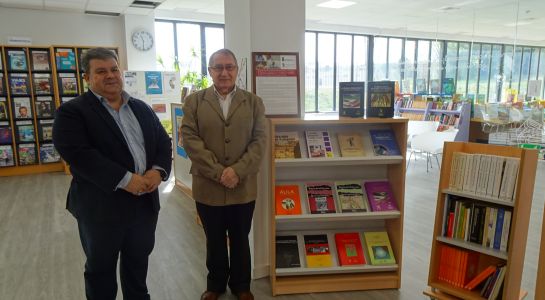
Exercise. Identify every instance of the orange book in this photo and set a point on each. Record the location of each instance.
(288, 199)
(480, 277)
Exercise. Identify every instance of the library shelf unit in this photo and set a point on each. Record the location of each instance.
(513, 258)
(464, 114)
(338, 278)
(27, 81)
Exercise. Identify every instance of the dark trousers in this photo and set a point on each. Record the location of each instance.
(103, 243)
(225, 267)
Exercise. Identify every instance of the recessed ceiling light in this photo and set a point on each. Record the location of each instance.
(336, 4)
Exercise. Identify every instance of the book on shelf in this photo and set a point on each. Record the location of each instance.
(65, 58)
(17, 60)
(1, 63)
(48, 154)
(45, 107)
(421, 87)
(2, 90)
(351, 197)
(287, 252)
(4, 113)
(457, 266)
(318, 143)
(45, 130)
(18, 84)
(320, 197)
(351, 99)
(380, 196)
(448, 86)
(495, 284)
(480, 278)
(24, 131)
(42, 84)
(40, 60)
(380, 99)
(379, 248)
(287, 199)
(6, 156)
(349, 249)
(68, 84)
(435, 86)
(27, 154)
(351, 144)
(287, 145)
(384, 142)
(22, 108)
(5, 133)
(317, 251)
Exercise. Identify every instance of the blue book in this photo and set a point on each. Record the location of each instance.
(499, 225)
(384, 142)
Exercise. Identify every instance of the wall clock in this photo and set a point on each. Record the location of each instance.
(142, 40)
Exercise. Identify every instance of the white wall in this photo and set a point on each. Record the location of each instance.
(139, 60)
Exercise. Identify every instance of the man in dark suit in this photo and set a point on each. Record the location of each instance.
(118, 154)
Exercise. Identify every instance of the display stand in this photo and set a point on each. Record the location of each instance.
(513, 258)
(27, 100)
(305, 279)
(463, 113)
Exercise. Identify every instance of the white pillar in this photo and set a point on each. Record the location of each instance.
(265, 26)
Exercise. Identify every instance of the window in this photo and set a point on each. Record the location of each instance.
(484, 73)
(423, 60)
(380, 62)
(343, 63)
(394, 59)
(311, 101)
(460, 80)
(164, 46)
(326, 65)
(409, 69)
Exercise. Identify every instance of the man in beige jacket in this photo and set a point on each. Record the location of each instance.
(223, 132)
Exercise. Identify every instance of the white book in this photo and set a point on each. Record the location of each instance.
(318, 144)
(505, 230)
(512, 180)
(505, 178)
(492, 227)
(484, 174)
(461, 171)
(453, 170)
(467, 172)
(491, 174)
(500, 162)
(474, 173)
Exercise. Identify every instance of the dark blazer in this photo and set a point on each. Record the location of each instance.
(89, 140)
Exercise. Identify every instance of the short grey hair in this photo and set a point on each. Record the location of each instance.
(223, 51)
(96, 53)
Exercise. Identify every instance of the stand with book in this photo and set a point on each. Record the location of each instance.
(336, 214)
(481, 222)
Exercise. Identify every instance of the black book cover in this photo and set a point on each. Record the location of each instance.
(351, 99)
(287, 252)
(380, 99)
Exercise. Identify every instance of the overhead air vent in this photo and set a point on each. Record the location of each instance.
(102, 13)
(145, 4)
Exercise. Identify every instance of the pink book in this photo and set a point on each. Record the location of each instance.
(380, 196)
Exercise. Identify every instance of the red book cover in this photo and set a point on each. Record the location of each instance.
(450, 230)
(349, 249)
(380, 196)
(480, 278)
(320, 197)
(288, 201)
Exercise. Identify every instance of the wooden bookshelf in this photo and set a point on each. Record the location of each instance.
(513, 258)
(338, 278)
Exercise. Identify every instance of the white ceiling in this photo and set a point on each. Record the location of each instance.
(469, 18)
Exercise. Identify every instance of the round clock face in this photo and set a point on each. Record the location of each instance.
(142, 40)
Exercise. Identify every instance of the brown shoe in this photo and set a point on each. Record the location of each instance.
(208, 295)
(245, 296)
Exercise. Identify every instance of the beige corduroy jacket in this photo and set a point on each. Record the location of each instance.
(213, 143)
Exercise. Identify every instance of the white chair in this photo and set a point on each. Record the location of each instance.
(431, 144)
(415, 128)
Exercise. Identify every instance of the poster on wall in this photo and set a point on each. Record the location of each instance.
(177, 117)
(171, 80)
(154, 83)
(275, 78)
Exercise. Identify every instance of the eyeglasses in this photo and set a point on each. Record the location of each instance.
(220, 68)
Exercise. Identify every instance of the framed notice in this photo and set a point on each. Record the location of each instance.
(275, 78)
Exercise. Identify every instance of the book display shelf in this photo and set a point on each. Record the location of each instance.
(425, 111)
(27, 106)
(323, 244)
(483, 225)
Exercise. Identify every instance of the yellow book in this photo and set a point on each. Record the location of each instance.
(379, 248)
(351, 144)
(317, 251)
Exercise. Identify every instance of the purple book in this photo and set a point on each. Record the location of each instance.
(380, 196)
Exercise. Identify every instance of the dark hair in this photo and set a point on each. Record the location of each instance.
(96, 53)
(223, 51)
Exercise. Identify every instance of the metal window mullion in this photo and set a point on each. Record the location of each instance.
(334, 71)
(489, 72)
(468, 67)
(352, 60)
